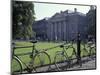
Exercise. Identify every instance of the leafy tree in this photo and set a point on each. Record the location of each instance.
(22, 19)
(91, 18)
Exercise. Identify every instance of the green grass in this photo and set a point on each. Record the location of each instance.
(41, 46)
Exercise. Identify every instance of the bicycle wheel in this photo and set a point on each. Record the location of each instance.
(71, 52)
(41, 62)
(92, 52)
(84, 52)
(61, 62)
(16, 66)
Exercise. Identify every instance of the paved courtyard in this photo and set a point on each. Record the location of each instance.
(87, 63)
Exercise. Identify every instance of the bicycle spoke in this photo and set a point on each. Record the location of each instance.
(61, 62)
(42, 62)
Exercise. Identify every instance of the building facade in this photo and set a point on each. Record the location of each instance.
(65, 26)
(40, 28)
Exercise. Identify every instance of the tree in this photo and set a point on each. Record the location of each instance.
(22, 19)
(91, 18)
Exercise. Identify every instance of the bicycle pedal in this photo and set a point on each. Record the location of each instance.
(61, 46)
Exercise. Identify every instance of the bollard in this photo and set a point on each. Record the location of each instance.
(78, 50)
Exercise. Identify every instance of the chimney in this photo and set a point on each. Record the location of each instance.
(75, 10)
(92, 7)
(66, 11)
(61, 11)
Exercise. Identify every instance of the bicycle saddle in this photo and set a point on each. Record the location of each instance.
(61, 46)
(35, 41)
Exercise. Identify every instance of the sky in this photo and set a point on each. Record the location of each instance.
(43, 10)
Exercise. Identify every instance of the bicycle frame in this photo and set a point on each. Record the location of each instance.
(20, 61)
(90, 48)
(30, 67)
(67, 47)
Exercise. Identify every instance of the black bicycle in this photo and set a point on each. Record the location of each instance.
(38, 59)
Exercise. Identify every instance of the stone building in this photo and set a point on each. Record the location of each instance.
(40, 28)
(66, 24)
(62, 26)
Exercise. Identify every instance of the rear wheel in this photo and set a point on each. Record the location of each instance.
(84, 52)
(92, 52)
(41, 62)
(61, 62)
(16, 66)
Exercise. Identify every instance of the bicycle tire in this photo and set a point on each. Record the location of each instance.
(16, 66)
(73, 54)
(41, 59)
(61, 62)
(92, 52)
(84, 51)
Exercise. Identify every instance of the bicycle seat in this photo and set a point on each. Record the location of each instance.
(35, 41)
(13, 43)
(61, 46)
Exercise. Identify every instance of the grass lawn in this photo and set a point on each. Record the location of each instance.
(40, 46)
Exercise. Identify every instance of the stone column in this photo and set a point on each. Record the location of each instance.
(51, 30)
(60, 30)
(55, 30)
(65, 32)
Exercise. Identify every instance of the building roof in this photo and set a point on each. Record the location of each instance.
(66, 13)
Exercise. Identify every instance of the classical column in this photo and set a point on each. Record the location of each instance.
(55, 30)
(51, 30)
(60, 30)
(57, 26)
(65, 32)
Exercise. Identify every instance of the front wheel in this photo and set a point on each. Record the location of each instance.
(61, 62)
(92, 52)
(41, 62)
(16, 66)
(84, 52)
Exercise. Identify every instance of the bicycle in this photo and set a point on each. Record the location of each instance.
(88, 49)
(62, 59)
(37, 60)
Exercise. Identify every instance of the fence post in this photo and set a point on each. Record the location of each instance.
(78, 50)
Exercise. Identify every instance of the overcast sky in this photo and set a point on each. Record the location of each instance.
(43, 10)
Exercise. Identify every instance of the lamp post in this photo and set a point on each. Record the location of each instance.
(78, 49)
